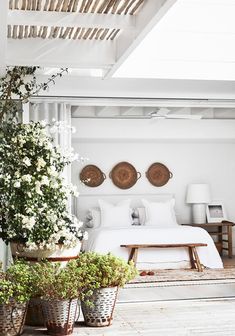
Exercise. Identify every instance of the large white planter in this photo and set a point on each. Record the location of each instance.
(60, 253)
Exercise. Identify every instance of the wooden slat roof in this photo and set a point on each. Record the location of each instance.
(115, 7)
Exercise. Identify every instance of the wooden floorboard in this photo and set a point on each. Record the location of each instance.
(190, 318)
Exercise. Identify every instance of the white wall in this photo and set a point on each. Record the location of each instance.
(194, 151)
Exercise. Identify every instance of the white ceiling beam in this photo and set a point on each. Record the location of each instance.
(99, 110)
(3, 34)
(60, 53)
(58, 19)
(148, 17)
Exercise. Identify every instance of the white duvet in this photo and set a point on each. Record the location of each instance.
(104, 240)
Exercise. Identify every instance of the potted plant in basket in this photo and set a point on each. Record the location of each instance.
(59, 289)
(15, 292)
(101, 275)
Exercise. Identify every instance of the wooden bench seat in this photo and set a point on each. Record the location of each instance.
(193, 255)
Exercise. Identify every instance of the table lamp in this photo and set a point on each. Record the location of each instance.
(198, 195)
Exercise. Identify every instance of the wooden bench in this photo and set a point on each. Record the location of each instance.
(193, 255)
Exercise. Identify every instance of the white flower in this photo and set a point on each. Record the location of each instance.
(30, 246)
(28, 222)
(26, 161)
(17, 184)
(40, 163)
(54, 185)
(38, 188)
(49, 145)
(52, 171)
(26, 178)
(45, 180)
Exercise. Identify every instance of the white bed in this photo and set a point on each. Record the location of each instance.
(104, 240)
(159, 225)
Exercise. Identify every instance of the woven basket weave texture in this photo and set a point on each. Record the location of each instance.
(12, 317)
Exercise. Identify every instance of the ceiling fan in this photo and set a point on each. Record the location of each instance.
(163, 113)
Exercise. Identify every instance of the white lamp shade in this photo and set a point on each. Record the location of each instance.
(198, 193)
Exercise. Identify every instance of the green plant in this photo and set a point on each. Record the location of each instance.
(33, 195)
(97, 270)
(15, 283)
(16, 87)
(50, 281)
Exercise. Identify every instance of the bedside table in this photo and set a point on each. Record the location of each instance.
(223, 236)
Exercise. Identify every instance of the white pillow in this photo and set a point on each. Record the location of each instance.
(93, 218)
(160, 214)
(115, 215)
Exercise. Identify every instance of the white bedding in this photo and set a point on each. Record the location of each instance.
(104, 240)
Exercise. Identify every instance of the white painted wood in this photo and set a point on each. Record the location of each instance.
(3, 33)
(149, 16)
(60, 53)
(64, 19)
(74, 86)
(176, 292)
(154, 130)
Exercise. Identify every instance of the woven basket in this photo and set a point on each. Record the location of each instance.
(34, 316)
(12, 318)
(59, 316)
(100, 313)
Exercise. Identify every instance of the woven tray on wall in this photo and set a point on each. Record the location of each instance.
(158, 174)
(92, 176)
(124, 175)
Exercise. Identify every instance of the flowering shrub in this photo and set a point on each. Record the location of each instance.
(33, 195)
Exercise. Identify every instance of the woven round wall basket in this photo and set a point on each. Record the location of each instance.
(158, 174)
(124, 175)
(92, 176)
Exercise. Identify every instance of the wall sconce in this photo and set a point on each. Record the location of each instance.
(198, 195)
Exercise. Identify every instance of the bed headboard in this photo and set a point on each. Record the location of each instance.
(87, 201)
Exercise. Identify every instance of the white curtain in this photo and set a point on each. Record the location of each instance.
(58, 112)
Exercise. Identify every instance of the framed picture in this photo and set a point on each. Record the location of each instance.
(215, 212)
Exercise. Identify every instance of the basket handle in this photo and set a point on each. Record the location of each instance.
(18, 330)
(138, 177)
(171, 175)
(104, 176)
(110, 175)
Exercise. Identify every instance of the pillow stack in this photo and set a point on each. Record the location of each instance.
(155, 214)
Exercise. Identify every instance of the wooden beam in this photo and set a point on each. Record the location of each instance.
(148, 17)
(60, 53)
(64, 19)
(3, 34)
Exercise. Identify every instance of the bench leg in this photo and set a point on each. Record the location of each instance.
(191, 257)
(133, 255)
(197, 260)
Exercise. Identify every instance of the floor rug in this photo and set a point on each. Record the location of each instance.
(186, 275)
